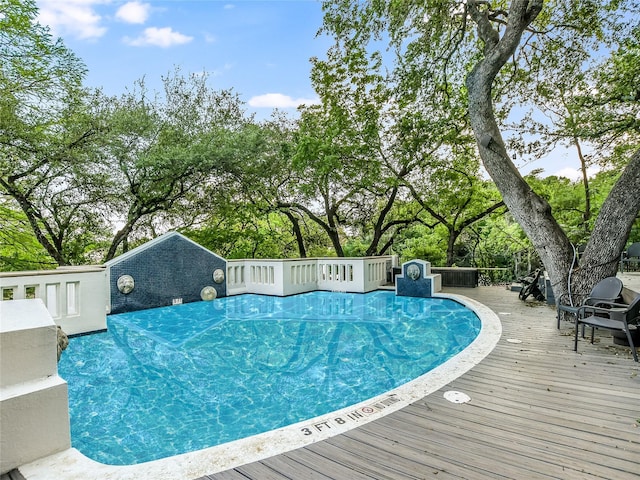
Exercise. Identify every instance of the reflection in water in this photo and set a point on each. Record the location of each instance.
(177, 379)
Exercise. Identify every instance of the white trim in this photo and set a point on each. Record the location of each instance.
(151, 243)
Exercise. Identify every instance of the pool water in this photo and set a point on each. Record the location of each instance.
(176, 379)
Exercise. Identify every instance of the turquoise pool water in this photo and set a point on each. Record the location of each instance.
(172, 380)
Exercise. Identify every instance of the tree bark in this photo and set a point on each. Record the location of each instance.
(613, 224)
(533, 213)
(35, 218)
(379, 227)
(329, 226)
(585, 182)
(295, 223)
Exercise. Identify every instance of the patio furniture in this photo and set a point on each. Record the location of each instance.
(620, 317)
(631, 258)
(606, 290)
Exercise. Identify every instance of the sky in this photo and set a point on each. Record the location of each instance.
(259, 48)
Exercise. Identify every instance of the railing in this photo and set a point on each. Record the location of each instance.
(292, 276)
(338, 274)
(299, 276)
(236, 277)
(495, 276)
(76, 297)
(358, 275)
(264, 276)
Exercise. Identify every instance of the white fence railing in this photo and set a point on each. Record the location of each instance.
(358, 275)
(289, 277)
(76, 297)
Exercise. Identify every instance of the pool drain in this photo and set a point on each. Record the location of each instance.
(457, 397)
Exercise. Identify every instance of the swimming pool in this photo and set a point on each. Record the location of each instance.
(171, 380)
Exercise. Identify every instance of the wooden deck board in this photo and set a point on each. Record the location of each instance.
(546, 430)
(531, 445)
(452, 449)
(323, 463)
(345, 450)
(538, 410)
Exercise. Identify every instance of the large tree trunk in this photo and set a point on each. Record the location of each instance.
(613, 224)
(451, 243)
(379, 227)
(531, 211)
(609, 236)
(119, 238)
(51, 243)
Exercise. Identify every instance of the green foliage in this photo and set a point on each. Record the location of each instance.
(387, 163)
(34, 68)
(501, 243)
(566, 198)
(510, 54)
(611, 109)
(19, 249)
(47, 159)
(241, 233)
(165, 149)
(423, 243)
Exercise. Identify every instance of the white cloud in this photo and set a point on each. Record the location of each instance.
(570, 173)
(73, 17)
(575, 174)
(158, 37)
(278, 100)
(133, 12)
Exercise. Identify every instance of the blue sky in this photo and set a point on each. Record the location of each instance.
(261, 49)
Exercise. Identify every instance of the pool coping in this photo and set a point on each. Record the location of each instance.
(73, 465)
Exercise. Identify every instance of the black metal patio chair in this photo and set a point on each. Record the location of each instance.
(606, 290)
(631, 258)
(621, 317)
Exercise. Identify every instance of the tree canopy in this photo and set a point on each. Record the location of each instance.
(410, 151)
(488, 53)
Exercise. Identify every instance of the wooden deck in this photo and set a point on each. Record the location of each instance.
(538, 410)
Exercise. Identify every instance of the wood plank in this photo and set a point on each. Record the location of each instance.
(562, 451)
(353, 459)
(548, 430)
(328, 465)
(287, 465)
(538, 410)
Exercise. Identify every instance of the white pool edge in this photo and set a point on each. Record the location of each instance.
(72, 465)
